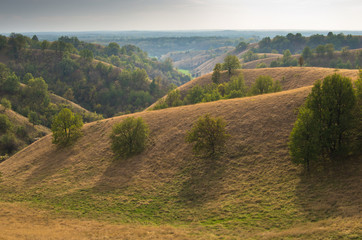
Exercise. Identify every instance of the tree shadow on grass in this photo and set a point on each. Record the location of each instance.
(50, 164)
(334, 190)
(119, 174)
(203, 176)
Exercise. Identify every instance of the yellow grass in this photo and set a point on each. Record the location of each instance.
(252, 192)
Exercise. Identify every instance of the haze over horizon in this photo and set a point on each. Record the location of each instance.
(123, 15)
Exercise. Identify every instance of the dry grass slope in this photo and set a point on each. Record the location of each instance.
(290, 77)
(253, 191)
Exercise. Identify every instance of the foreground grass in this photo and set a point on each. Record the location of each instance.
(253, 191)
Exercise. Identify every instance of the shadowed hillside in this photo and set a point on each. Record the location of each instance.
(252, 191)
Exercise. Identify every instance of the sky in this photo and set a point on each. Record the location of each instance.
(118, 15)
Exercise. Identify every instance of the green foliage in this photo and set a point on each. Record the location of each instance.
(241, 47)
(250, 56)
(6, 103)
(208, 136)
(5, 123)
(286, 61)
(329, 48)
(264, 84)
(261, 65)
(66, 127)
(11, 84)
(320, 50)
(304, 138)
(231, 62)
(37, 93)
(86, 54)
(195, 95)
(216, 73)
(34, 118)
(307, 53)
(325, 124)
(337, 102)
(129, 137)
(235, 87)
(8, 143)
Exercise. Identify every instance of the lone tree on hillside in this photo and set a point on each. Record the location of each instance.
(208, 136)
(66, 127)
(324, 124)
(231, 62)
(129, 137)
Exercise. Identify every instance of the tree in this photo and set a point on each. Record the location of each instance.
(66, 127)
(5, 123)
(301, 61)
(304, 138)
(129, 137)
(320, 50)
(338, 101)
(329, 48)
(173, 98)
(307, 53)
(86, 54)
(324, 124)
(208, 136)
(35, 38)
(33, 118)
(113, 49)
(11, 83)
(37, 92)
(44, 45)
(231, 62)
(216, 73)
(235, 87)
(263, 84)
(5, 103)
(241, 47)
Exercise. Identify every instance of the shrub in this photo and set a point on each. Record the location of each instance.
(208, 136)
(5, 123)
(8, 143)
(5, 103)
(66, 127)
(129, 137)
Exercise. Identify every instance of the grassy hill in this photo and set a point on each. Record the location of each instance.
(290, 77)
(252, 192)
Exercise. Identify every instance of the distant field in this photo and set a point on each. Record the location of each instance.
(184, 71)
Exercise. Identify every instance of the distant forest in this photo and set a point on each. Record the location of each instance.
(108, 79)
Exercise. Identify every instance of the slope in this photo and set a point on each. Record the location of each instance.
(290, 77)
(22, 130)
(253, 191)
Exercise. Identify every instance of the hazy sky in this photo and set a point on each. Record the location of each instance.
(90, 15)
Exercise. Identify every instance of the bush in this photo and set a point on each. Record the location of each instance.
(129, 137)
(8, 143)
(66, 127)
(5, 103)
(208, 136)
(5, 123)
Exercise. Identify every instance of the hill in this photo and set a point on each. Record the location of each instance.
(109, 80)
(22, 131)
(253, 191)
(290, 77)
